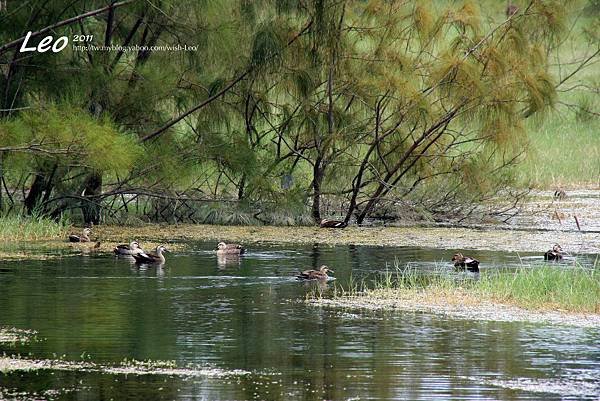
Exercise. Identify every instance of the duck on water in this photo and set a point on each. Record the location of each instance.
(462, 262)
(156, 257)
(556, 253)
(229, 249)
(320, 274)
(128, 250)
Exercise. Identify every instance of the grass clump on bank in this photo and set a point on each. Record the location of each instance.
(27, 228)
(547, 288)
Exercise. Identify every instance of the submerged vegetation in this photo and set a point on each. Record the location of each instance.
(547, 288)
(283, 112)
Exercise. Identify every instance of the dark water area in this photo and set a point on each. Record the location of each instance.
(248, 315)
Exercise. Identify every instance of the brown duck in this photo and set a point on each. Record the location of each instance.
(332, 224)
(229, 249)
(84, 237)
(156, 257)
(320, 274)
(129, 250)
(556, 253)
(462, 262)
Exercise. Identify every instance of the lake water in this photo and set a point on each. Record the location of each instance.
(246, 320)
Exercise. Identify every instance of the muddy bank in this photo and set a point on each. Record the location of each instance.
(543, 221)
(432, 237)
(457, 306)
(178, 239)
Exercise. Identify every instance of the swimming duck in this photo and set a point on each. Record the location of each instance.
(461, 262)
(332, 224)
(84, 237)
(131, 249)
(556, 253)
(229, 249)
(320, 274)
(156, 257)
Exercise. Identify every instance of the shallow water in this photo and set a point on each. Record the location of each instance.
(248, 315)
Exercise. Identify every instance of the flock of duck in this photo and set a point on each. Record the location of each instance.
(134, 250)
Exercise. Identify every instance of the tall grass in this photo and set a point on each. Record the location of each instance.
(564, 152)
(573, 289)
(23, 228)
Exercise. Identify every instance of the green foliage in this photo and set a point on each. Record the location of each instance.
(362, 102)
(68, 136)
(27, 228)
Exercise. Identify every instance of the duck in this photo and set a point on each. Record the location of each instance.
(230, 249)
(465, 262)
(124, 249)
(325, 223)
(84, 237)
(560, 194)
(320, 274)
(556, 253)
(156, 257)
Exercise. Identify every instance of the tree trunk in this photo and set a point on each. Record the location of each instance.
(318, 173)
(1, 179)
(241, 187)
(91, 209)
(35, 192)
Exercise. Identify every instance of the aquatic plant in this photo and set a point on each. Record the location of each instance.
(548, 287)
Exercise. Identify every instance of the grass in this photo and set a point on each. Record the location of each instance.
(546, 288)
(27, 228)
(574, 289)
(563, 153)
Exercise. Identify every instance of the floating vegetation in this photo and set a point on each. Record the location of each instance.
(563, 387)
(50, 394)
(127, 367)
(431, 237)
(11, 335)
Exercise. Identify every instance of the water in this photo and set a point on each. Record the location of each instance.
(249, 316)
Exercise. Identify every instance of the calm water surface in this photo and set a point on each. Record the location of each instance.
(249, 315)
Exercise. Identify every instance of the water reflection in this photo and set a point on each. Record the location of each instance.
(249, 315)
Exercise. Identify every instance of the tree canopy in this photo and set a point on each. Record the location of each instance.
(274, 111)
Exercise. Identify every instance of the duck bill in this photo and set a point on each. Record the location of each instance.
(330, 271)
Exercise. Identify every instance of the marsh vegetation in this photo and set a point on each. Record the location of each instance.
(570, 288)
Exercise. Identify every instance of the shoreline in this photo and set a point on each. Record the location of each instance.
(412, 236)
(485, 311)
(178, 238)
